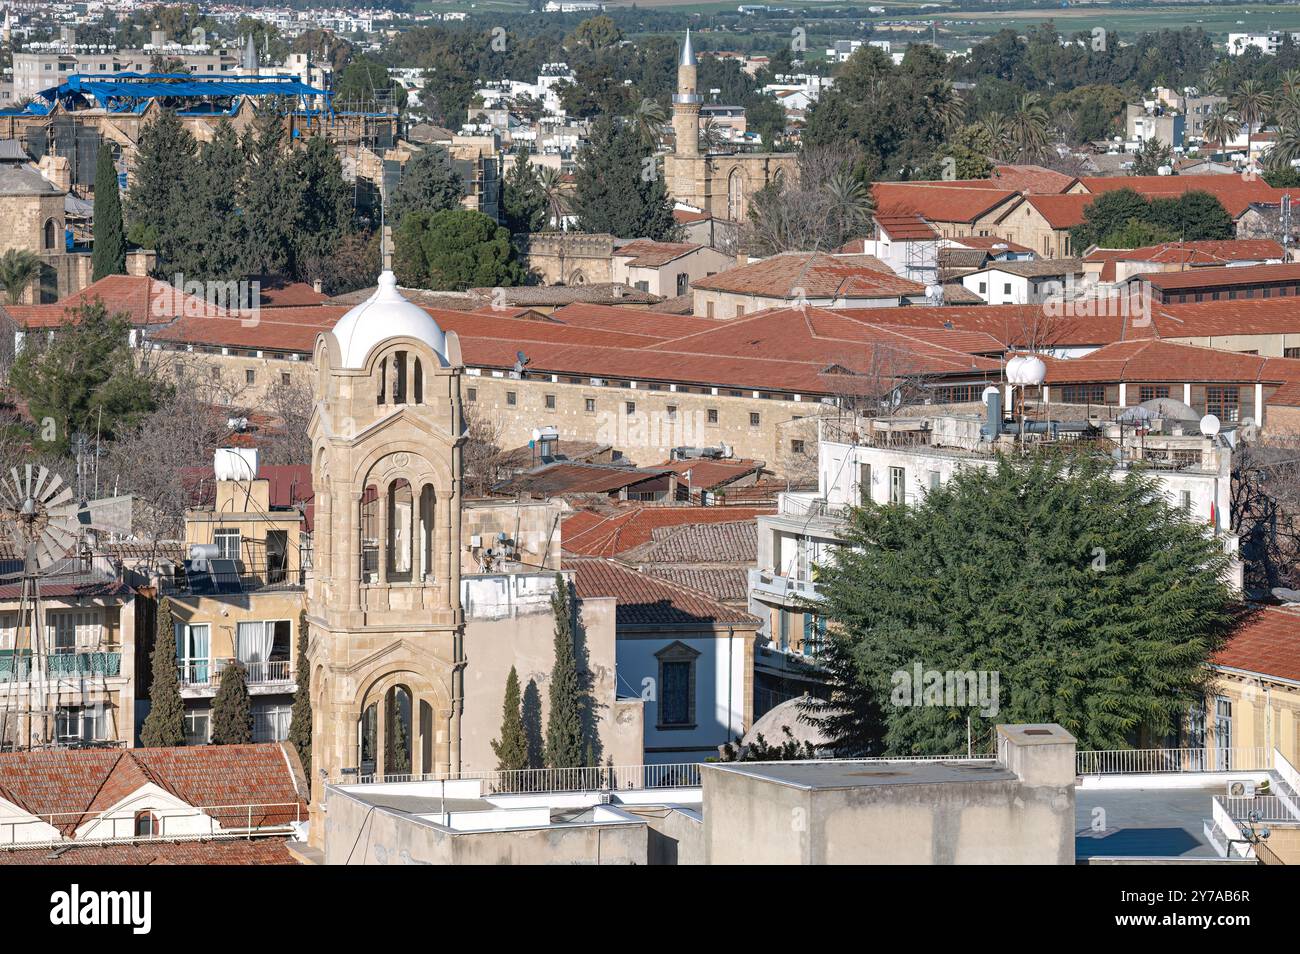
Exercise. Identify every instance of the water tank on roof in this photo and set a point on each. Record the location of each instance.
(235, 463)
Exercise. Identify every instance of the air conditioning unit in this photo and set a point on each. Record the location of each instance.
(1241, 789)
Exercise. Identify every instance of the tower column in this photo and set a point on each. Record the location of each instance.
(686, 103)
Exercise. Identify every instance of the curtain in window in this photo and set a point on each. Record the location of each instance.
(254, 641)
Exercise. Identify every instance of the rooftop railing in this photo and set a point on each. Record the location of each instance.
(188, 824)
(1270, 809)
(1172, 761)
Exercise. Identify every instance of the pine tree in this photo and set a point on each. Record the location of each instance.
(165, 723)
(428, 184)
(512, 748)
(565, 746)
(213, 219)
(160, 191)
(325, 213)
(300, 723)
(232, 708)
(109, 257)
(397, 759)
(620, 187)
(271, 198)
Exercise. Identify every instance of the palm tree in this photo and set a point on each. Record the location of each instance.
(1218, 80)
(649, 118)
(711, 138)
(850, 205)
(18, 269)
(1286, 148)
(1290, 80)
(550, 187)
(946, 107)
(1251, 101)
(1221, 125)
(1286, 105)
(1029, 125)
(995, 128)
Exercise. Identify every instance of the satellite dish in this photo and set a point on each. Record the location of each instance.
(1209, 425)
(521, 360)
(39, 511)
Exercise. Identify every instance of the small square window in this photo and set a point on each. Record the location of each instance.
(550, 402)
(672, 412)
(284, 378)
(796, 447)
(753, 419)
(471, 395)
(713, 415)
(250, 375)
(512, 398)
(631, 407)
(590, 404)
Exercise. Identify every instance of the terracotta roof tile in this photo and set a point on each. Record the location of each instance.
(1235, 192)
(1267, 642)
(610, 534)
(643, 600)
(1061, 211)
(145, 301)
(817, 274)
(1032, 179)
(645, 253)
(1240, 276)
(222, 851)
(962, 200)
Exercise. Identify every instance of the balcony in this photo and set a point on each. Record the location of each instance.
(769, 585)
(202, 675)
(62, 666)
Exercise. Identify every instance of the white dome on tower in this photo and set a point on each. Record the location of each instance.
(386, 314)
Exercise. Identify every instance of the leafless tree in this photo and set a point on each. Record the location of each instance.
(817, 210)
(482, 455)
(1266, 511)
(291, 406)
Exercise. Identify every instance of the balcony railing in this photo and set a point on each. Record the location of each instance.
(62, 666)
(783, 588)
(1170, 761)
(1269, 809)
(582, 779)
(203, 823)
(202, 673)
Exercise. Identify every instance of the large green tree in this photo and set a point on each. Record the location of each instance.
(83, 379)
(109, 257)
(272, 197)
(512, 747)
(620, 188)
(522, 202)
(1095, 601)
(454, 250)
(232, 708)
(325, 205)
(565, 746)
(429, 184)
(161, 190)
(165, 723)
(213, 219)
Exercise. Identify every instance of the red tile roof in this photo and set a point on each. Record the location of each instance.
(991, 243)
(709, 474)
(290, 294)
(644, 600)
(145, 301)
(644, 253)
(1223, 276)
(906, 228)
(1267, 643)
(1154, 360)
(1031, 179)
(1061, 211)
(818, 276)
(1235, 192)
(221, 851)
(592, 533)
(76, 784)
(963, 200)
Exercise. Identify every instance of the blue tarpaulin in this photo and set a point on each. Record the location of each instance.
(127, 92)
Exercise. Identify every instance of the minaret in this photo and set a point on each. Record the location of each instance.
(686, 103)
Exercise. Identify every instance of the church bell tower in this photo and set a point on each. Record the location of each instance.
(386, 645)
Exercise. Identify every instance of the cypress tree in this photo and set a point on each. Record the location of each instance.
(300, 723)
(213, 219)
(565, 747)
(620, 188)
(109, 257)
(165, 724)
(325, 215)
(271, 198)
(160, 192)
(232, 709)
(429, 183)
(512, 748)
(522, 202)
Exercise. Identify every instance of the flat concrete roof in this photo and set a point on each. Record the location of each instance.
(422, 804)
(837, 774)
(1143, 823)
